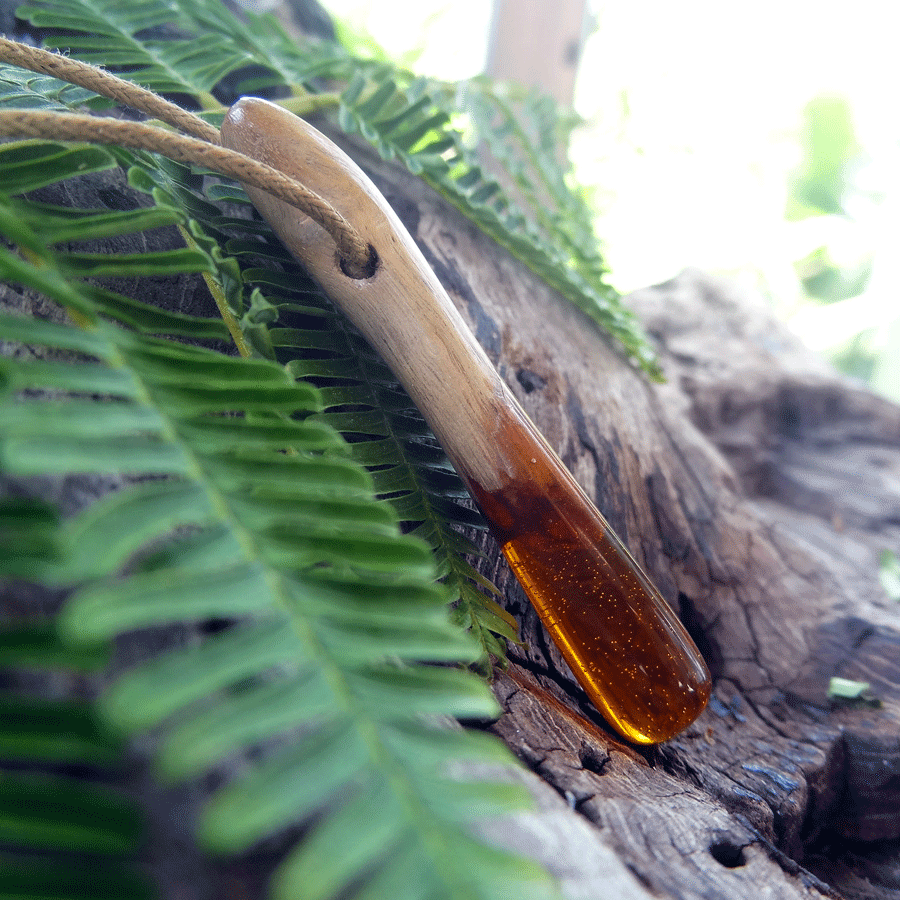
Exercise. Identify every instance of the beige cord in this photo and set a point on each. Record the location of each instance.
(203, 149)
(94, 129)
(107, 85)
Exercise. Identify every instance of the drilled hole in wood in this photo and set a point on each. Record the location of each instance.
(360, 272)
(728, 854)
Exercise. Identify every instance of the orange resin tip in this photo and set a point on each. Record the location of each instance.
(624, 644)
(622, 641)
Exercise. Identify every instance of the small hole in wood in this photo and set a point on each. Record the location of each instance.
(530, 381)
(728, 854)
(593, 759)
(358, 273)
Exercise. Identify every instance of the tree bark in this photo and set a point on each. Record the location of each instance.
(758, 488)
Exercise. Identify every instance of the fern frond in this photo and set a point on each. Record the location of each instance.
(491, 152)
(262, 518)
(39, 163)
(264, 515)
(415, 475)
(533, 213)
(141, 38)
(526, 135)
(21, 89)
(62, 836)
(388, 435)
(363, 401)
(189, 49)
(267, 44)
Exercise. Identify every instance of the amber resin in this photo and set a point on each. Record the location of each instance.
(621, 639)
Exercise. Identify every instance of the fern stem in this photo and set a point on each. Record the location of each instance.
(527, 145)
(306, 104)
(228, 317)
(432, 836)
(208, 102)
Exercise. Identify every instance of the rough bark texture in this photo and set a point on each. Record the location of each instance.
(759, 489)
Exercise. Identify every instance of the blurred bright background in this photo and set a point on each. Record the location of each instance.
(758, 141)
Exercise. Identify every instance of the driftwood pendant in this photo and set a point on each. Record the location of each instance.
(628, 649)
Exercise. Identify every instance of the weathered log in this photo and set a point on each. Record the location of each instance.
(759, 489)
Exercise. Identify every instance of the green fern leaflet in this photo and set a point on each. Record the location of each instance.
(63, 836)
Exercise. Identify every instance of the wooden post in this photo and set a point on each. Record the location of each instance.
(538, 42)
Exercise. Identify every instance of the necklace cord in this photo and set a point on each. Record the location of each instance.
(198, 144)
